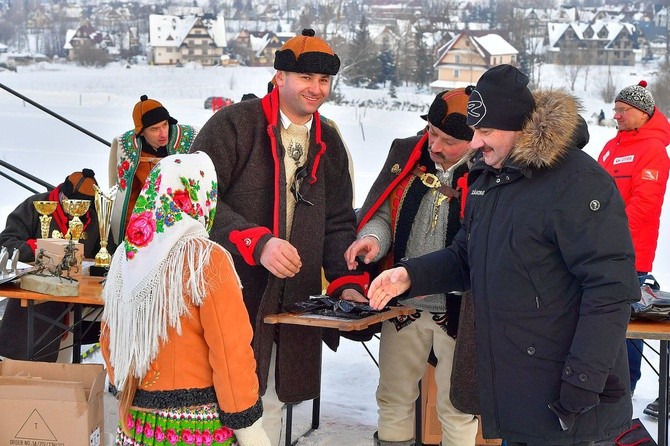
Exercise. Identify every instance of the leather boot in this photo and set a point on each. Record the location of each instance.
(379, 442)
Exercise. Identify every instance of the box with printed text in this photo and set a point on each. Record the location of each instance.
(51, 404)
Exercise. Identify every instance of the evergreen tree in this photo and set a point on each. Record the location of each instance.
(306, 18)
(360, 58)
(424, 64)
(388, 70)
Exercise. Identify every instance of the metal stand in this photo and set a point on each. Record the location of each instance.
(663, 394)
(75, 328)
(316, 413)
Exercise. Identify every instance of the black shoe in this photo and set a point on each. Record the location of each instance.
(652, 409)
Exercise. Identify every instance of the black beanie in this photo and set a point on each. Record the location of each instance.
(501, 100)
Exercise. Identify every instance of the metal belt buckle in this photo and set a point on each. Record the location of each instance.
(429, 180)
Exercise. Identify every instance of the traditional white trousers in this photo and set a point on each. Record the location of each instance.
(402, 362)
(273, 409)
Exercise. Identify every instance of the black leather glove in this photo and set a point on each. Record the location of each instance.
(573, 402)
(614, 390)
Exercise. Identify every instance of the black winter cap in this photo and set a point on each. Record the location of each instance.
(501, 100)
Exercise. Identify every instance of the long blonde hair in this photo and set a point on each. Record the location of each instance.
(126, 398)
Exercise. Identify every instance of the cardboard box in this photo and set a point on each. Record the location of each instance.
(55, 249)
(431, 428)
(51, 404)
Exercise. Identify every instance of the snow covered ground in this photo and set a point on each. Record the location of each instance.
(101, 100)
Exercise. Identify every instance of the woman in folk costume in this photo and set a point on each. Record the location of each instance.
(176, 336)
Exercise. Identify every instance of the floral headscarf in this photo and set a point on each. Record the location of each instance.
(161, 261)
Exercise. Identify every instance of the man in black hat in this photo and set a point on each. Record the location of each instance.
(156, 135)
(21, 232)
(546, 252)
(23, 225)
(414, 207)
(284, 184)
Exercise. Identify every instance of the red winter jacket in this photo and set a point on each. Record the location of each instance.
(638, 162)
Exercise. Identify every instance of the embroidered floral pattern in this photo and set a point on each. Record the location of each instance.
(401, 322)
(155, 214)
(181, 137)
(195, 426)
(152, 375)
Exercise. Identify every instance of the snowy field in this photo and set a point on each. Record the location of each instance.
(101, 100)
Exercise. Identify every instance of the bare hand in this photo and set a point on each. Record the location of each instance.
(367, 246)
(353, 295)
(387, 285)
(280, 258)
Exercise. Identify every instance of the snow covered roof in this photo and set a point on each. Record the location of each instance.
(611, 30)
(168, 30)
(69, 34)
(218, 31)
(495, 45)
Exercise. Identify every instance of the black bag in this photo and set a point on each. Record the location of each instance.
(653, 305)
(637, 435)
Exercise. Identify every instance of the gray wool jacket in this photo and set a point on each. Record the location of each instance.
(244, 143)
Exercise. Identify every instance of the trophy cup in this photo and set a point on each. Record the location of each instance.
(45, 208)
(75, 208)
(104, 202)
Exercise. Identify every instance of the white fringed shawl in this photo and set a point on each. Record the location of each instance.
(162, 260)
(139, 318)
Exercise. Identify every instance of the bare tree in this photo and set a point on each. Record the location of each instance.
(661, 88)
(608, 91)
(88, 54)
(573, 62)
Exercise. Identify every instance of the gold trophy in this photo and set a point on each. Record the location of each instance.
(104, 203)
(45, 208)
(75, 208)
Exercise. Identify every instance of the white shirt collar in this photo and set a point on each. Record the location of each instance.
(285, 121)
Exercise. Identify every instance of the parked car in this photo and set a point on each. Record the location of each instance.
(214, 103)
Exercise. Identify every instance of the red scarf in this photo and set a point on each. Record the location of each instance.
(60, 217)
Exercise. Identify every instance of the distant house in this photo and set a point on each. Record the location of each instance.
(86, 35)
(262, 47)
(598, 43)
(537, 18)
(661, 18)
(463, 59)
(383, 37)
(15, 59)
(177, 41)
(257, 48)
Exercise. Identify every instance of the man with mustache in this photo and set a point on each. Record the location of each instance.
(546, 251)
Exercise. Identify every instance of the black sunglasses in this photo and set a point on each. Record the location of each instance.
(300, 174)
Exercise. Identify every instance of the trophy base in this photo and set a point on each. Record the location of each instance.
(54, 286)
(98, 271)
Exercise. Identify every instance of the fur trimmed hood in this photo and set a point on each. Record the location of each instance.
(553, 128)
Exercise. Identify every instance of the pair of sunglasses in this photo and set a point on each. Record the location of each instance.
(300, 174)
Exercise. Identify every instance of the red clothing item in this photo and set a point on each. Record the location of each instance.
(638, 162)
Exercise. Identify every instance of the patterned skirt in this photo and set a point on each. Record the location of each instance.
(199, 426)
